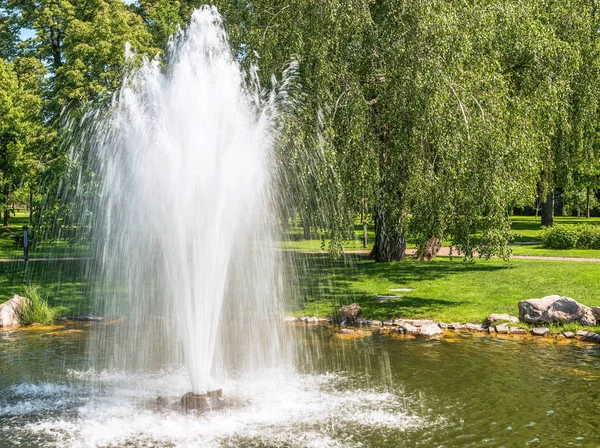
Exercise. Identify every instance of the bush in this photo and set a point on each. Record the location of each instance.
(571, 237)
(38, 310)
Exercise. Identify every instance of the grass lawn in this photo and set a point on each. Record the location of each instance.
(65, 284)
(10, 249)
(444, 289)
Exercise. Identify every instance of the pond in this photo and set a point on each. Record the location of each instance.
(376, 391)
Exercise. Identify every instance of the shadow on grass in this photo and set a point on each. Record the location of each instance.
(325, 284)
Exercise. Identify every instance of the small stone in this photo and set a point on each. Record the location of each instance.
(290, 319)
(569, 334)
(502, 328)
(518, 330)
(456, 326)
(419, 322)
(491, 330)
(346, 331)
(398, 322)
(540, 331)
(374, 323)
(312, 320)
(361, 322)
(430, 331)
(409, 329)
(582, 333)
(474, 327)
(304, 319)
(350, 313)
(325, 320)
(388, 323)
(442, 325)
(495, 318)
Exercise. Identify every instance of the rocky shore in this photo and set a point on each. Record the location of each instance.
(534, 315)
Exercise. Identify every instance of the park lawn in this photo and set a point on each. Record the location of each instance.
(66, 284)
(11, 250)
(540, 251)
(444, 289)
(529, 228)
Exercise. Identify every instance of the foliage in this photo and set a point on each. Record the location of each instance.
(571, 237)
(37, 310)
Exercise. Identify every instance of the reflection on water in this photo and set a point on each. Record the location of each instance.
(375, 391)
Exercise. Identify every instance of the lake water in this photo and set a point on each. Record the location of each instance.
(376, 391)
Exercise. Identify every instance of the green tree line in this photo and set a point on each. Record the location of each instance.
(435, 117)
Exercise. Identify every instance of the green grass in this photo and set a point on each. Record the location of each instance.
(9, 248)
(37, 311)
(444, 289)
(65, 284)
(529, 228)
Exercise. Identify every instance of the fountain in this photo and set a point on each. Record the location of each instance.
(184, 215)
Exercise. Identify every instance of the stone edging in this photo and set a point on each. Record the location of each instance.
(431, 329)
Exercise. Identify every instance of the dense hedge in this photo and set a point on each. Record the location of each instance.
(572, 237)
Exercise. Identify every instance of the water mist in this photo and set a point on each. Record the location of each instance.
(184, 219)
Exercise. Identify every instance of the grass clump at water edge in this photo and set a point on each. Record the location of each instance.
(37, 310)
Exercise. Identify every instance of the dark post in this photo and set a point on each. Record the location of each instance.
(25, 243)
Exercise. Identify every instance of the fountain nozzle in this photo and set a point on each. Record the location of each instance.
(210, 401)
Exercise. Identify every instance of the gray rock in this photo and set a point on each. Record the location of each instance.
(518, 330)
(596, 312)
(540, 331)
(491, 330)
(409, 329)
(398, 321)
(374, 323)
(419, 322)
(502, 328)
(582, 333)
(325, 320)
(555, 309)
(455, 326)
(350, 313)
(442, 325)
(312, 320)
(346, 331)
(474, 327)
(290, 319)
(388, 323)
(569, 334)
(492, 319)
(11, 311)
(430, 331)
(361, 322)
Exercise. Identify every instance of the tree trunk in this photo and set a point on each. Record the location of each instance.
(548, 210)
(587, 202)
(6, 210)
(30, 205)
(306, 229)
(390, 244)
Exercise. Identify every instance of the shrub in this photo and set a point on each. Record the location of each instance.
(571, 237)
(38, 310)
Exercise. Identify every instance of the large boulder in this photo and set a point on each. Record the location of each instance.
(11, 311)
(350, 313)
(555, 309)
